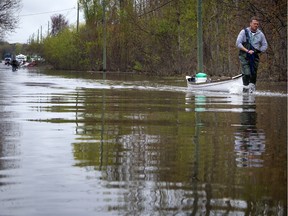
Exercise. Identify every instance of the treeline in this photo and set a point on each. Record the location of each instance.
(160, 37)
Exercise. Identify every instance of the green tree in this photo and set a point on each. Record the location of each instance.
(61, 51)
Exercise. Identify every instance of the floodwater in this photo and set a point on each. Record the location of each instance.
(77, 144)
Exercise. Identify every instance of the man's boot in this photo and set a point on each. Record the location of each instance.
(252, 88)
(246, 89)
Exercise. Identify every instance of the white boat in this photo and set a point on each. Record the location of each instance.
(227, 85)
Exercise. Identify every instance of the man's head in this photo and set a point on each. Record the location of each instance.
(254, 23)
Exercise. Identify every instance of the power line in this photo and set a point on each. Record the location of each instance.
(46, 12)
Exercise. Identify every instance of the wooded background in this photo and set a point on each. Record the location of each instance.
(160, 37)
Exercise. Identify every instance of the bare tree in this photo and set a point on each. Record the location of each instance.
(58, 24)
(8, 15)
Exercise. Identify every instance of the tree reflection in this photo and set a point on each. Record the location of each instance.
(181, 161)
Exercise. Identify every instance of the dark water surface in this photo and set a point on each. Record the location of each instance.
(73, 144)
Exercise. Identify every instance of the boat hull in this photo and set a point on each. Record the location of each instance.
(233, 84)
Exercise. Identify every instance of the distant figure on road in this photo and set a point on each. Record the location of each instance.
(14, 64)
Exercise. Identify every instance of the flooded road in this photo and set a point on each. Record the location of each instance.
(75, 144)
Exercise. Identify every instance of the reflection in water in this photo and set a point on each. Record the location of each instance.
(204, 200)
(91, 149)
(249, 145)
(249, 140)
(9, 134)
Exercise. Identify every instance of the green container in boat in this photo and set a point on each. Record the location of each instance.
(201, 75)
(201, 78)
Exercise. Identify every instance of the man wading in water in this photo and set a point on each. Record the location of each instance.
(251, 41)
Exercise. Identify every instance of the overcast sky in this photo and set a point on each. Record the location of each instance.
(35, 14)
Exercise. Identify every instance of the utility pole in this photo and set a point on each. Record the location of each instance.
(104, 37)
(41, 36)
(38, 37)
(48, 29)
(199, 37)
(77, 17)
